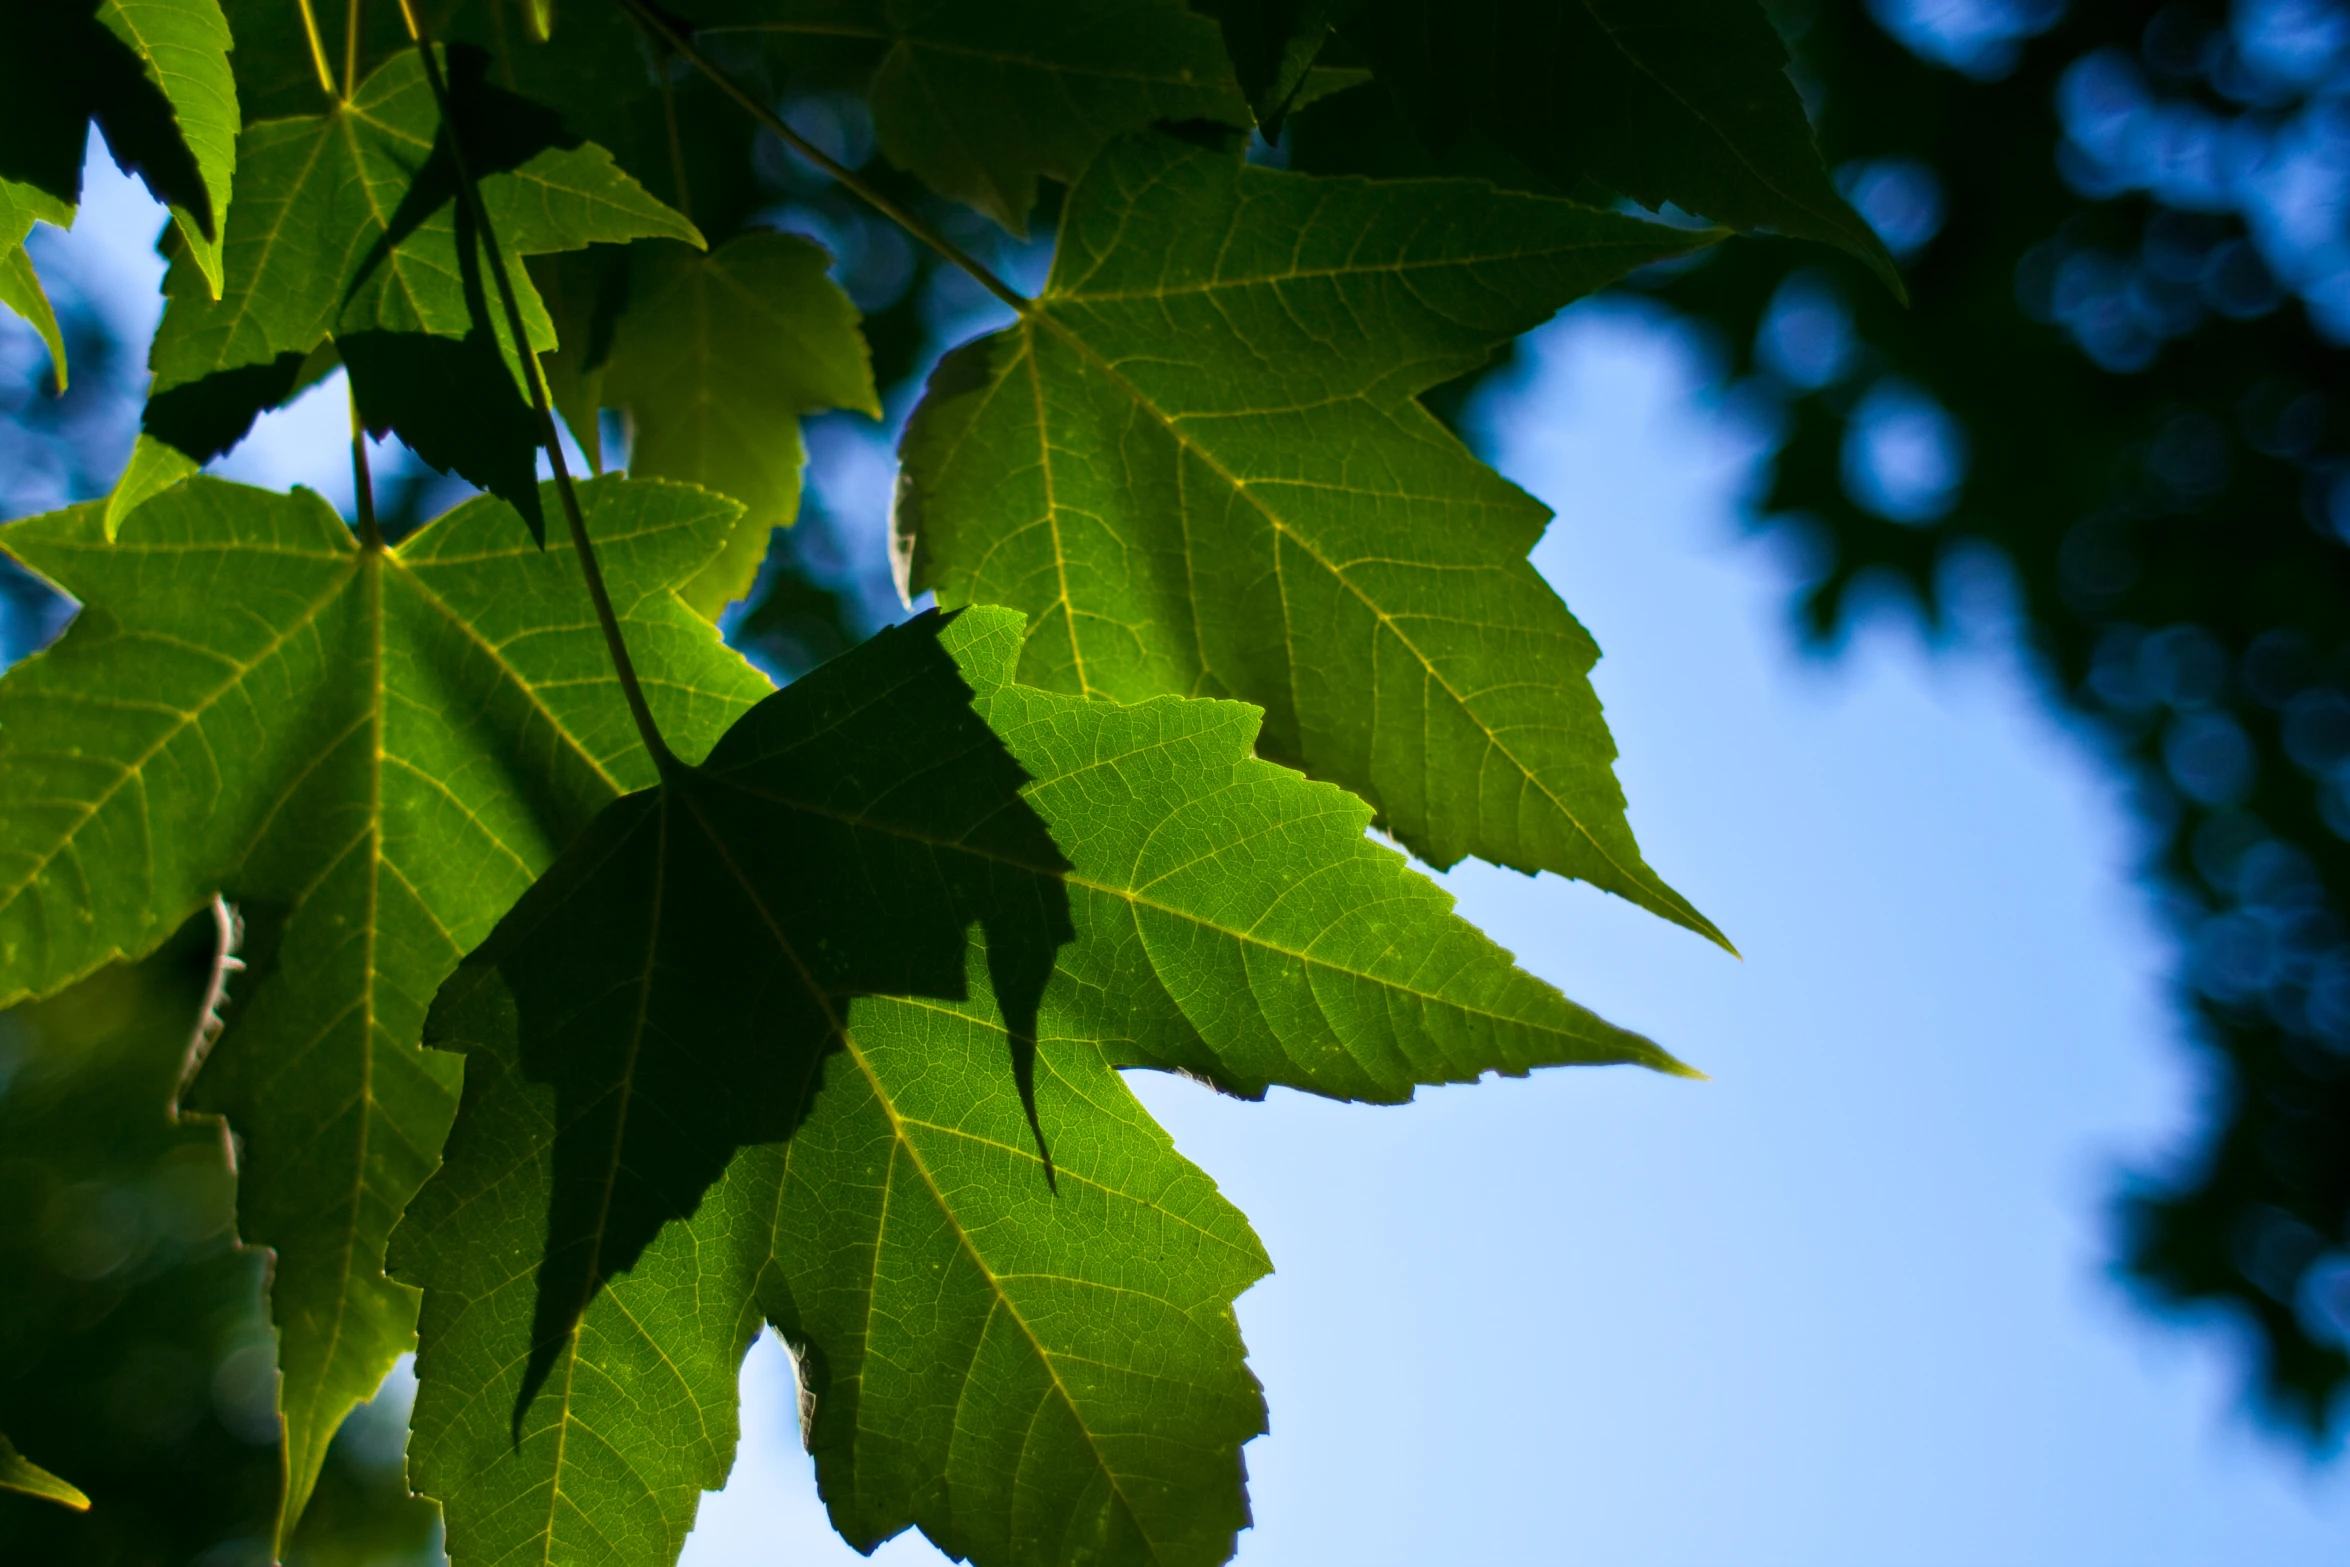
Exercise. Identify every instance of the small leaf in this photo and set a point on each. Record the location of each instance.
(372, 756)
(1197, 462)
(825, 1029)
(982, 101)
(19, 1473)
(20, 286)
(717, 358)
(1686, 101)
(154, 468)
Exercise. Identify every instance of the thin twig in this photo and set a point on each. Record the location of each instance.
(370, 536)
(846, 177)
(663, 758)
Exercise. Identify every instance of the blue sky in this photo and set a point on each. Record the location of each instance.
(1845, 1303)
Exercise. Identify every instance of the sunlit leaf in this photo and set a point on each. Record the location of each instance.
(1198, 464)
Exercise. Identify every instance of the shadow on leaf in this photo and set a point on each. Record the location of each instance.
(680, 976)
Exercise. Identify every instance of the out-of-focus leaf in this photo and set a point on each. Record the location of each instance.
(717, 358)
(20, 1474)
(983, 101)
(1682, 101)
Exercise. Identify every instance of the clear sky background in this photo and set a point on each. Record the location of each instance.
(1847, 1303)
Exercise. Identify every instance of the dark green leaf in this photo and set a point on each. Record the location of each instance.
(373, 755)
(1197, 463)
(1686, 101)
(1272, 44)
(982, 101)
(716, 359)
(741, 1053)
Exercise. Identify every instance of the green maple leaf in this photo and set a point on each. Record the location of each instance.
(21, 206)
(373, 756)
(1686, 101)
(717, 357)
(21, 1474)
(982, 101)
(155, 75)
(1197, 463)
(741, 1054)
(351, 225)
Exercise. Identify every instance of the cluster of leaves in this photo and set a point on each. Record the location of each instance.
(599, 1002)
(2153, 437)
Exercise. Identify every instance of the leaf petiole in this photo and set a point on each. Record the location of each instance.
(846, 177)
(326, 75)
(353, 24)
(647, 730)
(362, 482)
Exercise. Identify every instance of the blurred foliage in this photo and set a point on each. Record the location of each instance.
(2112, 423)
(2121, 385)
(139, 1357)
